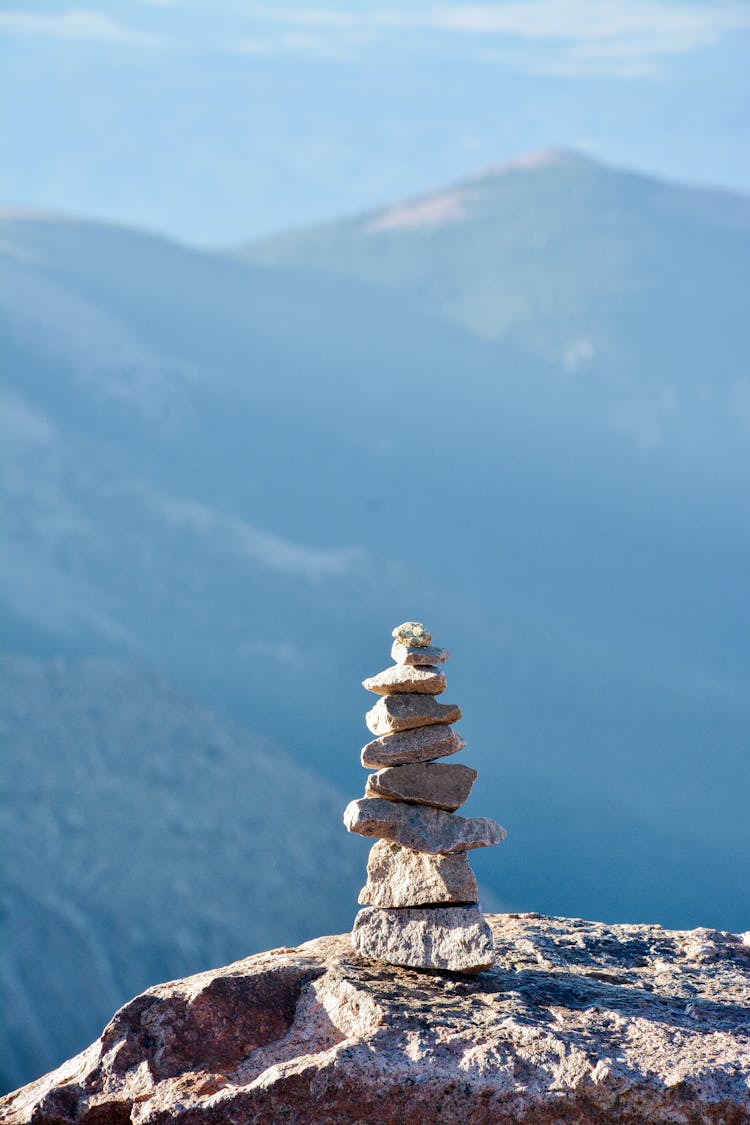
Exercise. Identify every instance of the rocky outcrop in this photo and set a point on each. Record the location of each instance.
(575, 1022)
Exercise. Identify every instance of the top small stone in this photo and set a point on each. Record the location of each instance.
(412, 633)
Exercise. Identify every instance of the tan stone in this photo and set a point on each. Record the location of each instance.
(412, 633)
(456, 938)
(397, 876)
(441, 785)
(411, 654)
(419, 827)
(401, 678)
(405, 712)
(421, 745)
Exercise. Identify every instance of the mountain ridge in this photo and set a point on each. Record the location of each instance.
(538, 158)
(545, 254)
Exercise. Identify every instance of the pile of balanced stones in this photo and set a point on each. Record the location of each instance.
(420, 899)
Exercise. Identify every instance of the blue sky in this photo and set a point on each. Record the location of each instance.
(218, 122)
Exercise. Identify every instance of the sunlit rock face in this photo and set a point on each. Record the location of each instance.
(574, 1022)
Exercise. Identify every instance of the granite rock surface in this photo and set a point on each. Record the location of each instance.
(421, 828)
(397, 876)
(421, 745)
(456, 938)
(576, 1022)
(394, 713)
(443, 785)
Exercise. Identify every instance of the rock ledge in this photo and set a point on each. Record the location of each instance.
(576, 1022)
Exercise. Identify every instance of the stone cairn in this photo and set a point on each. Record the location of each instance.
(420, 899)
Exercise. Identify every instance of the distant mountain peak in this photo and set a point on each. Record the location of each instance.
(456, 204)
(540, 158)
(436, 210)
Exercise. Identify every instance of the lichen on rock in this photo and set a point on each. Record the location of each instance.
(412, 633)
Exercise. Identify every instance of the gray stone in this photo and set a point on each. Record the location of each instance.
(441, 785)
(411, 654)
(393, 713)
(412, 633)
(426, 937)
(402, 678)
(419, 827)
(399, 877)
(421, 745)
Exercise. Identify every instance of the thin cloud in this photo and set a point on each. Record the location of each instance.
(626, 38)
(309, 40)
(80, 24)
(586, 33)
(594, 21)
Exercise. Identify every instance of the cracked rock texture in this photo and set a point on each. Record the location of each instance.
(577, 1022)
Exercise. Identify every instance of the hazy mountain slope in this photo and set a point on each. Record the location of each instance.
(613, 276)
(152, 345)
(244, 476)
(161, 430)
(145, 838)
(176, 434)
(540, 247)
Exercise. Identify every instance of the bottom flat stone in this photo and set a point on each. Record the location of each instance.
(456, 938)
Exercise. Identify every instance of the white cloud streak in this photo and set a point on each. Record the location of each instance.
(563, 37)
(594, 21)
(586, 34)
(79, 24)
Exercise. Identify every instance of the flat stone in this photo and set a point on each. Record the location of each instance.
(412, 633)
(399, 877)
(421, 745)
(441, 785)
(393, 713)
(456, 938)
(419, 827)
(411, 654)
(402, 678)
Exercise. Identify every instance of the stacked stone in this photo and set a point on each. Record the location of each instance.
(420, 901)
